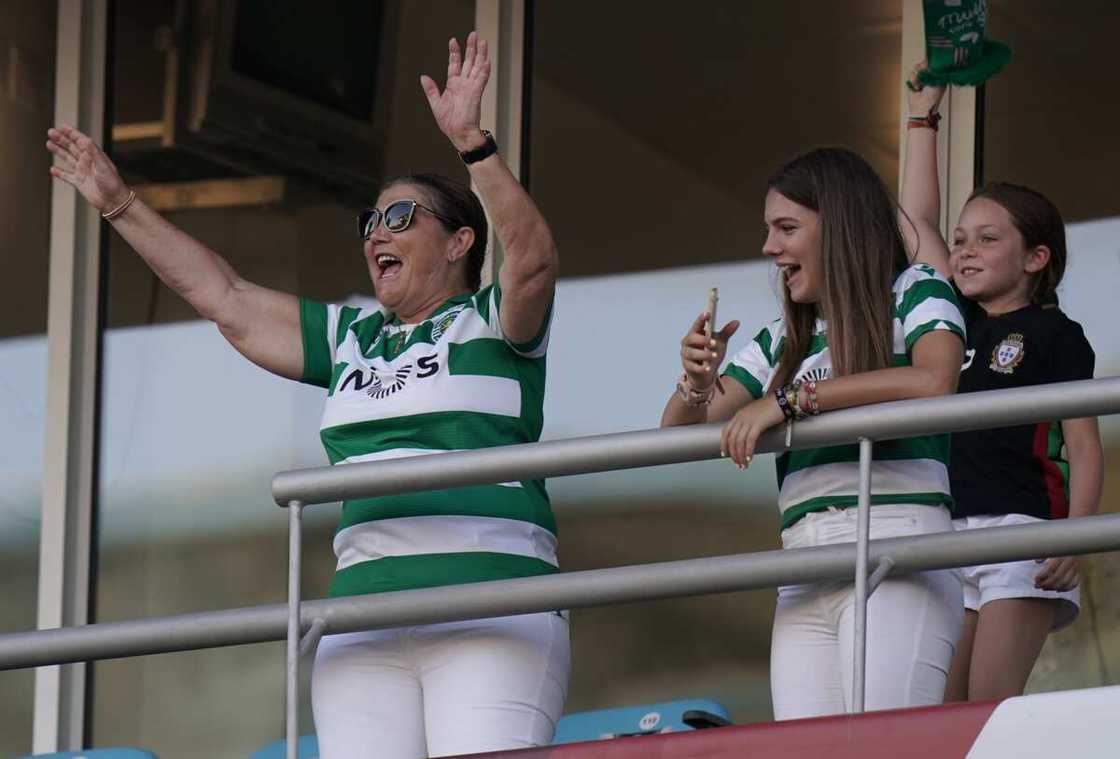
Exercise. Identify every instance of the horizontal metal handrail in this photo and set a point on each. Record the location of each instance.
(629, 450)
(566, 590)
(298, 489)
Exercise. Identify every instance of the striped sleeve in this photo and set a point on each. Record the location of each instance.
(323, 328)
(488, 300)
(318, 348)
(925, 302)
(752, 366)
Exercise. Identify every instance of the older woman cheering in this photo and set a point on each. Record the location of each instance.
(436, 364)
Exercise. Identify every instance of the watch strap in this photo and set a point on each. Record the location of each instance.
(485, 150)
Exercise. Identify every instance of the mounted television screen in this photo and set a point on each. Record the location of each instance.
(290, 86)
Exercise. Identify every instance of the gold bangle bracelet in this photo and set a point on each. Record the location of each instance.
(110, 215)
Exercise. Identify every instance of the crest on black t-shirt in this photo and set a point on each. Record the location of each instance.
(1008, 354)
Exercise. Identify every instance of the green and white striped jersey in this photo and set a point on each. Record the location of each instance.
(451, 382)
(914, 470)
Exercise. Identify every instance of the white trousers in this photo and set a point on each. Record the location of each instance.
(439, 690)
(913, 623)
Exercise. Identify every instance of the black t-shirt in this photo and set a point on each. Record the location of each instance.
(1022, 469)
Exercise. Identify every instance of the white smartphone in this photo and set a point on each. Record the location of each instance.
(710, 329)
(713, 301)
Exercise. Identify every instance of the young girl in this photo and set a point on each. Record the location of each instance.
(1008, 256)
(860, 325)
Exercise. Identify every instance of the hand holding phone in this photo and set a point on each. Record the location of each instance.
(703, 348)
(710, 328)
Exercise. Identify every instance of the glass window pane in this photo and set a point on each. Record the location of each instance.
(27, 63)
(191, 432)
(1049, 122)
(650, 148)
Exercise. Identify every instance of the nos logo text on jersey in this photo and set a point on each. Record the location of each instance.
(381, 383)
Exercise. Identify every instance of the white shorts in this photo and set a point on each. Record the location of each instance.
(1012, 579)
(913, 622)
(440, 690)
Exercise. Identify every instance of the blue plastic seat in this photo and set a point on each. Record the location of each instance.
(648, 719)
(97, 753)
(308, 748)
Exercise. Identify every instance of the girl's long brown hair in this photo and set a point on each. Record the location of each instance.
(862, 252)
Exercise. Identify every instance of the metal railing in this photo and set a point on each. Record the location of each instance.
(300, 488)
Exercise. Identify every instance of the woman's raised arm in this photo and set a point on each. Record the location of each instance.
(262, 324)
(530, 265)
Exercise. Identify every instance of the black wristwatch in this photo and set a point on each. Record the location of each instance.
(485, 150)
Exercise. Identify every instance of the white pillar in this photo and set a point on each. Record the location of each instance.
(68, 458)
(502, 24)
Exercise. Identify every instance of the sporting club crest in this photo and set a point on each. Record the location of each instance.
(443, 323)
(1008, 354)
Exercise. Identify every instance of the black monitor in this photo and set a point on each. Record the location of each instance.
(292, 85)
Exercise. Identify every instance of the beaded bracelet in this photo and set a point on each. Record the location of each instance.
(812, 406)
(783, 401)
(693, 397)
(798, 400)
(795, 400)
(930, 121)
(793, 395)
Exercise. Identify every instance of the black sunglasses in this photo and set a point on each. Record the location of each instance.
(396, 217)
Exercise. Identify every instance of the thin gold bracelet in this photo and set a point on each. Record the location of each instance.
(116, 212)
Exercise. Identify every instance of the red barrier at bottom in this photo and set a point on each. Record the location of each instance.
(934, 732)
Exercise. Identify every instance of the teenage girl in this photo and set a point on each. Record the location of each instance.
(861, 325)
(1007, 256)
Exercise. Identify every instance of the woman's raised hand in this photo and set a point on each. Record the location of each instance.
(83, 166)
(701, 356)
(458, 108)
(922, 99)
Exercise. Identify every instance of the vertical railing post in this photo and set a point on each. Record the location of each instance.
(862, 537)
(291, 722)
